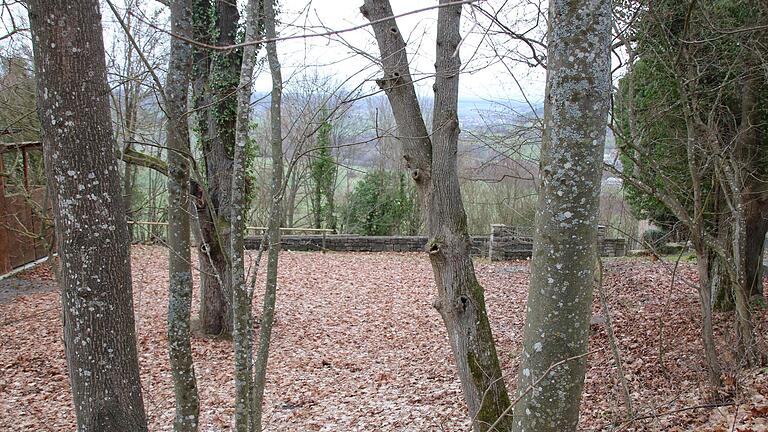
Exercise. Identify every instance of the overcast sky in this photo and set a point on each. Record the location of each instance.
(333, 58)
(339, 56)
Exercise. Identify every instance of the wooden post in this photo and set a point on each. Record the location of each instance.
(5, 265)
(25, 165)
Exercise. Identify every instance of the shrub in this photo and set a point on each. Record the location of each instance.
(383, 203)
(656, 239)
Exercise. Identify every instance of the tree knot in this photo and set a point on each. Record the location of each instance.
(462, 302)
(433, 246)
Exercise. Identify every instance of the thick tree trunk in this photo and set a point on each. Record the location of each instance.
(273, 225)
(215, 88)
(179, 256)
(433, 166)
(565, 243)
(215, 306)
(92, 237)
(720, 286)
(752, 146)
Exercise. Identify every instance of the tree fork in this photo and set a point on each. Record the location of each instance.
(431, 159)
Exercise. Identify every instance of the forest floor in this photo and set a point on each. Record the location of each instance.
(358, 347)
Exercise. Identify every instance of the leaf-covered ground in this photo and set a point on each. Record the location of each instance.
(358, 347)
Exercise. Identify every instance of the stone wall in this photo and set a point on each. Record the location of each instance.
(358, 243)
(613, 247)
(510, 242)
(505, 243)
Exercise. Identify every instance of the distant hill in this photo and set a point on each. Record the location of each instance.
(478, 113)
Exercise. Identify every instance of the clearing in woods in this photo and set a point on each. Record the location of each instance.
(358, 347)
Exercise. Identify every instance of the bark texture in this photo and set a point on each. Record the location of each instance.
(242, 296)
(704, 261)
(179, 257)
(432, 162)
(275, 216)
(565, 243)
(91, 230)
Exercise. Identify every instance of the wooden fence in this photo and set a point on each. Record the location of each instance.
(22, 206)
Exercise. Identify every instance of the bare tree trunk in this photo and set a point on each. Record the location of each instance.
(273, 225)
(129, 173)
(214, 277)
(721, 288)
(757, 226)
(92, 237)
(179, 256)
(290, 203)
(317, 205)
(705, 301)
(612, 338)
(740, 175)
(215, 305)
(433, 166)
(242, 297)
(565, 242)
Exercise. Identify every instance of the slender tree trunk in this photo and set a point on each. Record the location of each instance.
(721, 288)
(433, 166)
(130, 118)
(705, 301)
(738, 174)
(290, 204)
(152, 210)
(757, 226)
(565, 242)
(317, 204)
(179, 256)
(695, 137)
(242, 297)
(744, 327)
(128, 178)
(92, 236)
(331, 210)
(615, 350)
(273, 225)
